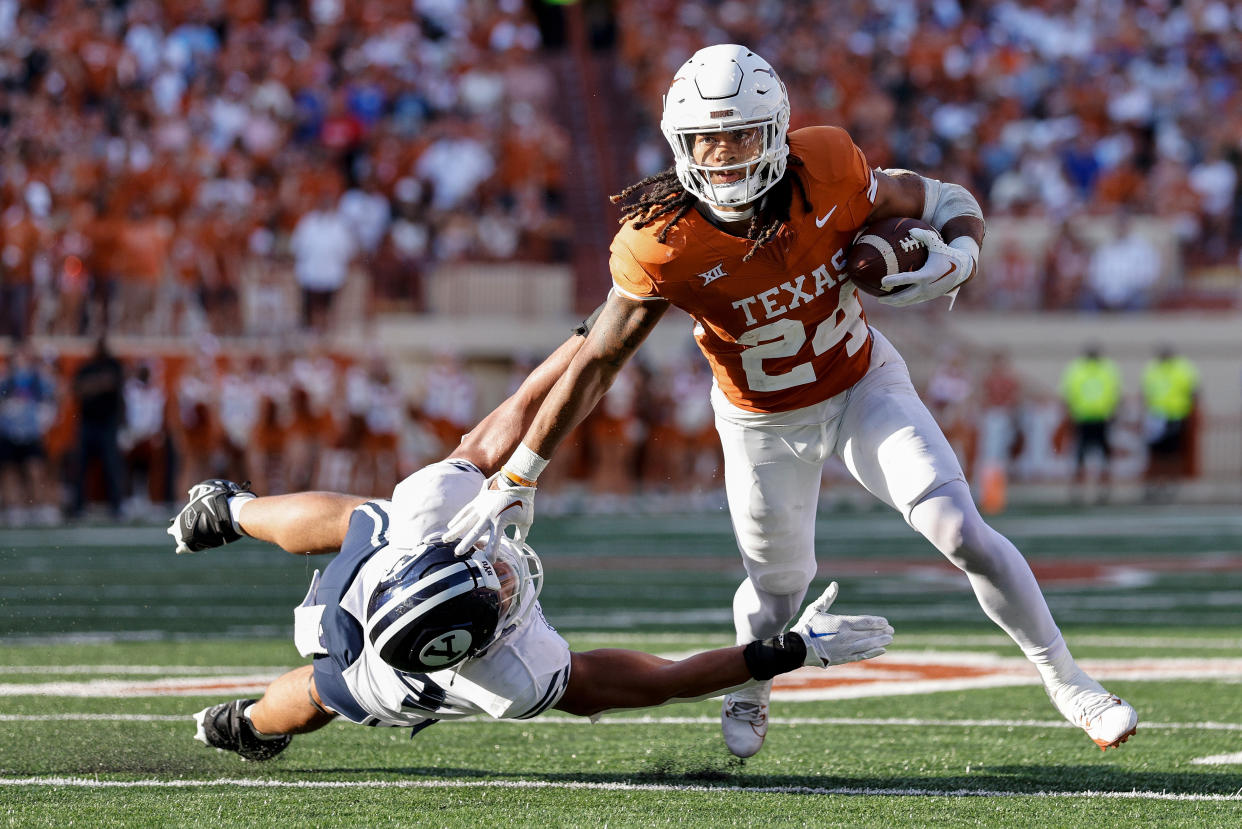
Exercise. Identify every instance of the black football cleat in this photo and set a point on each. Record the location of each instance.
(225, 727)
(205, 521)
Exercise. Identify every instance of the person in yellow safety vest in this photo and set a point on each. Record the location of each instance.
(1091, 389)
(1170, 391)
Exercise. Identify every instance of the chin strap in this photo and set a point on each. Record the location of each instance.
(730, 215)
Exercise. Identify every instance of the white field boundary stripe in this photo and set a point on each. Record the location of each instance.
(136, 670)
(224, 685)
(1234, 759)
(608, 719)
(89, 783)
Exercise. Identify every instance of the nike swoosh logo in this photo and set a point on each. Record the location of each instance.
(821, 221)
(815, 635)
(511, 506)
(952, 268)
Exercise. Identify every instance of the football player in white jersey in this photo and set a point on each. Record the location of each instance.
(404, 632)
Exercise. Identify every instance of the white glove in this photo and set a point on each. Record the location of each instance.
(947, 266)
(499, 504)
(835, 640)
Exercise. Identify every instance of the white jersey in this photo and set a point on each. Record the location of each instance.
(522, 674)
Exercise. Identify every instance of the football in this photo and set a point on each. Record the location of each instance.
(882, 249)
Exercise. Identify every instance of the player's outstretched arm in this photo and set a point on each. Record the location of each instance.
(606, 679)
(601, 680)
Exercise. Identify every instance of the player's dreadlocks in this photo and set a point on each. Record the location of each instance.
(657, 195)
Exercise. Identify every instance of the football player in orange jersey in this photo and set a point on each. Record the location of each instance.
(747, 234)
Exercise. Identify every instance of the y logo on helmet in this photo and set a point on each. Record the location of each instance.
(447, 649)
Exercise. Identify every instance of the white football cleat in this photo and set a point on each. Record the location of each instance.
(744, 719)
(1107, 719)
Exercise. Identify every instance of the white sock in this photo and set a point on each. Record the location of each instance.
(235, 505)
(1054, 663)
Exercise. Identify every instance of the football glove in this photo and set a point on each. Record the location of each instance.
(947, 266)
(500, 503)
(206, 521)
(835, 640)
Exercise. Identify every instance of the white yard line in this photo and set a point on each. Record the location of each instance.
(196, 686)
(140, 670)
(90, 783)
(1234, 759)
(901, 722)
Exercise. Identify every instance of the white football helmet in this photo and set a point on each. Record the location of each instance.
(721, 89)
(435, 609)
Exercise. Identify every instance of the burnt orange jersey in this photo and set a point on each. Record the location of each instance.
(784, 330)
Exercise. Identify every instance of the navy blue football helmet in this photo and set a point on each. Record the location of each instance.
(434, 610)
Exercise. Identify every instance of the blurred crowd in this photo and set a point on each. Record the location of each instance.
(157, 159)
(127, 435)
(164, 161)
(130, 434)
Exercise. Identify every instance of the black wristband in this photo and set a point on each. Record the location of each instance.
(767, 658)
(584, 327)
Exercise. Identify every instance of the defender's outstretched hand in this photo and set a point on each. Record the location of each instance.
(499, 504)
(835, 640)
(947, 266)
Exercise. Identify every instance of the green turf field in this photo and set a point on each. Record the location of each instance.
(108, 643)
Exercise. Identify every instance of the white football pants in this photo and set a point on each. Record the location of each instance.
(893, 446)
